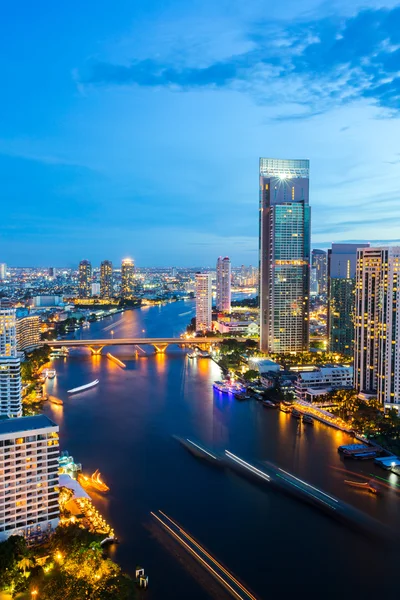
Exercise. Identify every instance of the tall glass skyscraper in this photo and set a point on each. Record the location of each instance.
(284, 255)
(342, 260)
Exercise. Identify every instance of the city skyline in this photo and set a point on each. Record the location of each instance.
(118, 78)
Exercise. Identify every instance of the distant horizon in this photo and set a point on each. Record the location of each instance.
(96, 263)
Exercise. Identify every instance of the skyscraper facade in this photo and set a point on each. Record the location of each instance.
(85, 279)
(3, 271)
(224, 284)
(284, 255)
(10, 366)
(106, 279)
(29, 461)
(342, 262)
(318, 262)
(27, 332)
(377, 324)
(127, 278)
(203, 302)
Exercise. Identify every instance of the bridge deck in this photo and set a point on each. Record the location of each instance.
(136, 341)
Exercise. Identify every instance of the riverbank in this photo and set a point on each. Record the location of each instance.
(125, 427)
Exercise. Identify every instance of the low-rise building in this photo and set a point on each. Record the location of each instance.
(321, 380)
(29, 477)
(264, 365)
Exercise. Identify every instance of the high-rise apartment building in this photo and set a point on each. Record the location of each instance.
(106, 279)
(27, 332)
(10, 366)
(377, 324)
(313, 282)
(284, 255)
(85, 279)
(3, 271)
(224, 284)
(127, 278)
(28, 477)
(203, 302)
(318, 262)
(342, 262)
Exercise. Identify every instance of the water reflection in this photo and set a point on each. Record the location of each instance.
(124, 427)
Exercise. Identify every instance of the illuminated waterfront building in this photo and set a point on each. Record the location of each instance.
(377, 324)
(224, 284)
(10, 366)
(203, 302)
(106, 279)
(319, 263)
(27, 332)
(284, 255)
(127, 278)
(322, 380)
(85, 279)
(342, 261)
(28, 477)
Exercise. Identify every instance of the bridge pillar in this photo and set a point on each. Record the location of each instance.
(96, 350)
(160, 348)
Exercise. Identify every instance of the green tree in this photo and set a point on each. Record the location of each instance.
(24, 564)
(251, 375)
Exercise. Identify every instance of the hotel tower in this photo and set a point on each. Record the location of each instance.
(377, 324)
(284, 255)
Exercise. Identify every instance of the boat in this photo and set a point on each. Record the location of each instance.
(268, 404)
(51, 373)
(285, 408)
(370, 485)
(192, 355)
(308, 419)
(82, 388)
(200, 451)
(94, 481)
(229, 387)
(54, 400)
(296, 414)
(221, 386)
(241, 396)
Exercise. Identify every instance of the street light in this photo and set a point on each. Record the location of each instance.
(112, 333)
(34, 593)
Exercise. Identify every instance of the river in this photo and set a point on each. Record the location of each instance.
(273, 543)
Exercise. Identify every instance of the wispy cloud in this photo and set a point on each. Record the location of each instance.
(309, 65)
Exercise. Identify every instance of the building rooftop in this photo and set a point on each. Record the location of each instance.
(20, 424)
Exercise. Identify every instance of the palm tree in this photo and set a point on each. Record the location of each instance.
(25, 563)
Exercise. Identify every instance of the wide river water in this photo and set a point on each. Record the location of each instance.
(274, 543)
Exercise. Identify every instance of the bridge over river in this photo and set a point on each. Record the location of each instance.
(159, 344)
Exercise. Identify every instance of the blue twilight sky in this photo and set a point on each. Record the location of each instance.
(135, 127)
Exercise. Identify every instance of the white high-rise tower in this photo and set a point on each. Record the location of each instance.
(203, 302)
(224, 284)
(10, 366)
